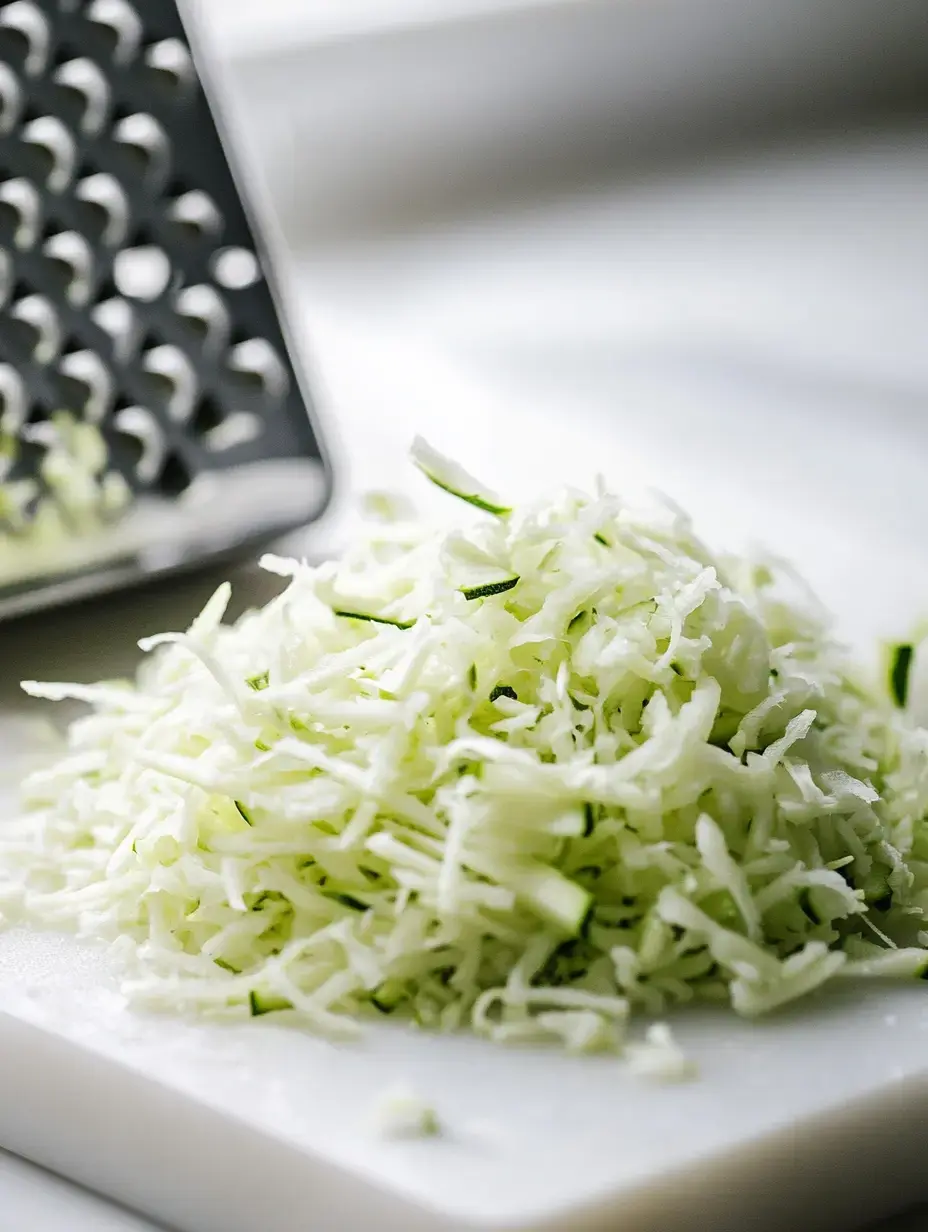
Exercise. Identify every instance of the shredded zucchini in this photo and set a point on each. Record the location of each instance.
(375, 620)
(259, 1004)
(503, 690)
(452, 478)
(71, 498)
(486, 589)
(899, 673)
(683, 789)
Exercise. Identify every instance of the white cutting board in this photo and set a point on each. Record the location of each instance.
(230, 1129)
(812, 1118)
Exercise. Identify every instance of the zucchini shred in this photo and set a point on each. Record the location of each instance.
(617, 774)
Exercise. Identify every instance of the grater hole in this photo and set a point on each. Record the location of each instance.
(99, 43)
(14, 49)
(39, 413)
(128, 447)
(9, 222)
(24, 31)
(70, 250)
(106, 289)
(158, 389)
(150, 342)
(21, 288)
(14, 405)
(193, 333)
(137, 425)
(67, 105)
(177, 186)
(11, 99)
(236, 268)
(168, 364)
(84, 94)
(116, 318)
(143, 145)
(56, 147)
(57, 276)
(22, 333)
(204, 315)
(256, 357)
(171, 70)
(72, 394)
(207, 417)
(103, 208)
(116, 25)
(130, 163)
(175, 476)
(34, 163)
(245, 387)
(142, 236)
(21, 336)
(39, 429)
(66, 50)
(86, 382)
(93, 219)
(37, 314)
(6, 275)
(195, 216)
(26, 500)
(20, 210)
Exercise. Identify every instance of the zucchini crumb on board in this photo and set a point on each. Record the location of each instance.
(555, 769)
(400, 1113)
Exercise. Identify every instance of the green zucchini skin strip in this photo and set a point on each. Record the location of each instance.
(499, 511)
(374, 620)
(446, 475)
(259, 1005)
(899, 671)
(489, 588)
(504, 690)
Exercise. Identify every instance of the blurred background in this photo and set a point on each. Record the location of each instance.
(597, 233)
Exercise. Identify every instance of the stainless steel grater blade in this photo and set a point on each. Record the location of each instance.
(151, 417)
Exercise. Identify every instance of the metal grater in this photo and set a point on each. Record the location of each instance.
(150, 415)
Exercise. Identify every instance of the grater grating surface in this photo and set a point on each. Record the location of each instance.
(150, 414)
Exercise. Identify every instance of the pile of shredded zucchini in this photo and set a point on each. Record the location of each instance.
(527, 776)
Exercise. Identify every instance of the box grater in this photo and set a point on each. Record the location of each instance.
(151, 418)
